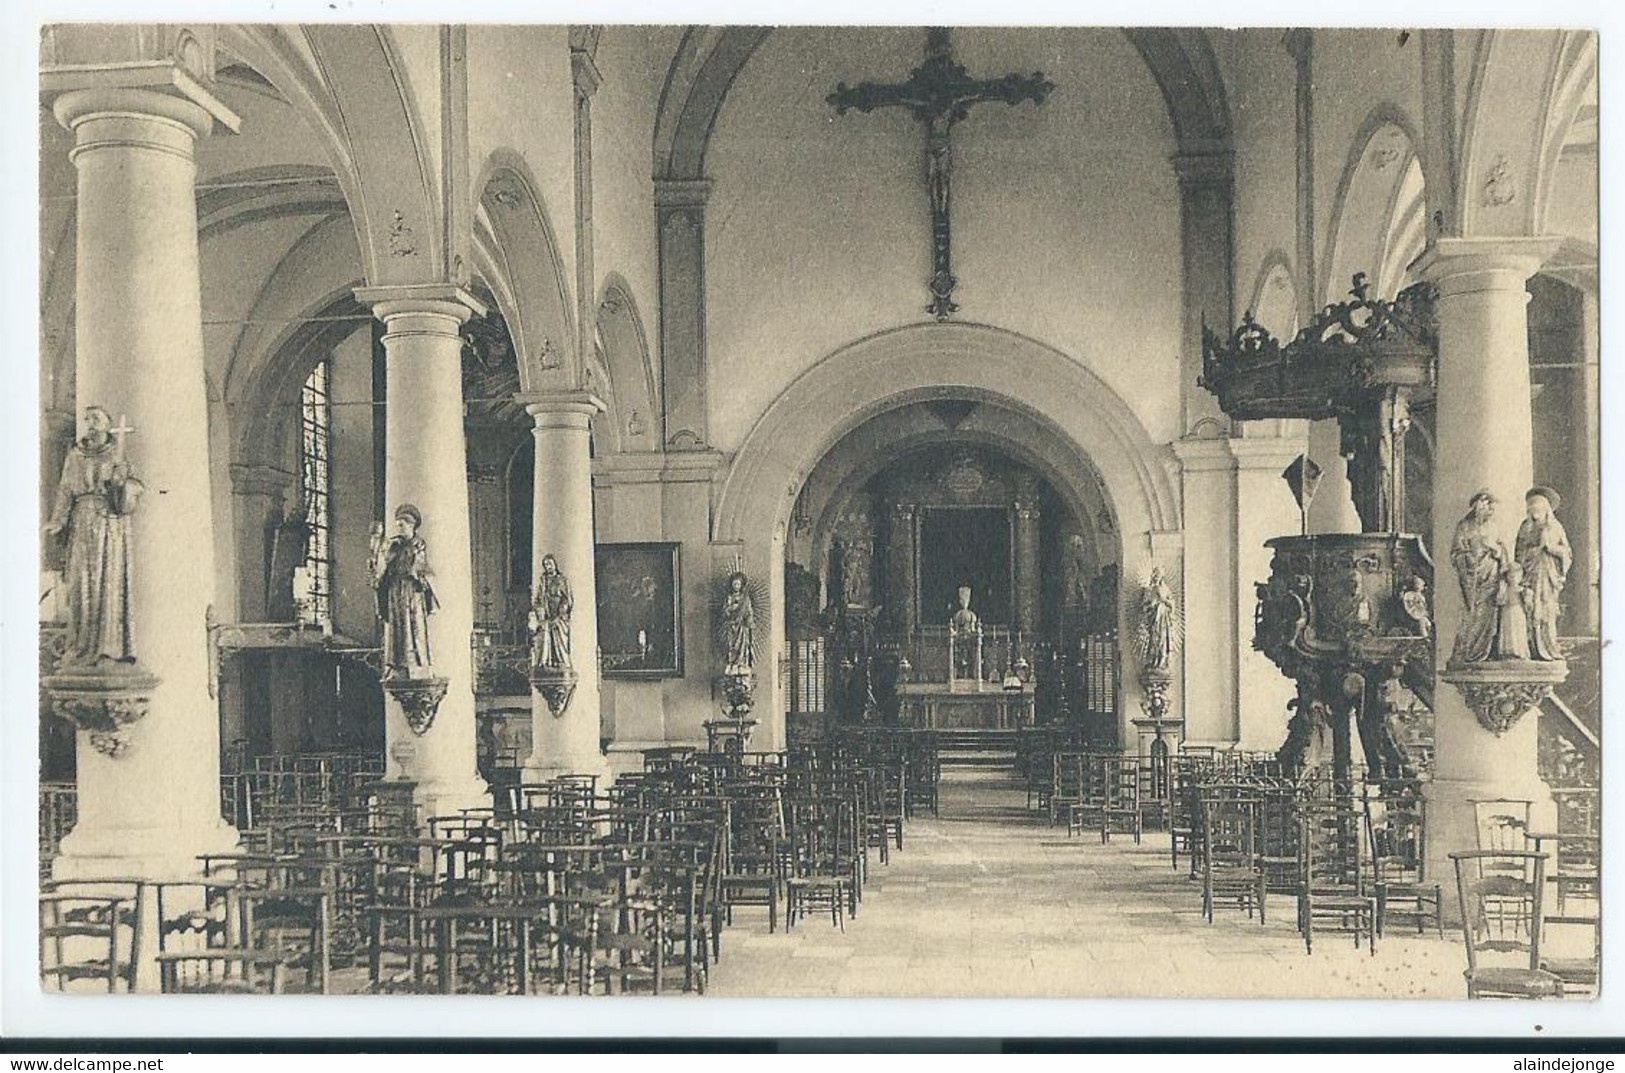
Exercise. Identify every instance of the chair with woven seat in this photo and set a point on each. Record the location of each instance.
(1396, 834)
(1229, 863)
(1333, 890)
(1578, 963)
(90, 930)
(1499, 893)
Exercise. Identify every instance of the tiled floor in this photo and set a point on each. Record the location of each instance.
(990, 901)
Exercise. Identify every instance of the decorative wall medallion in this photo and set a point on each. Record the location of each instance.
(1385, 156)
(402, 240)
(506, 195)
(635, 425)
(1499, 186)
(419, 699)
(548, 358)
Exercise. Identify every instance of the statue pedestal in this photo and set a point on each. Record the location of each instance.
(728, 735)
(1500, 692)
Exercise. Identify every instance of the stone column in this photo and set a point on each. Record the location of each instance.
(1332, 509)
(259, 493)
(900, 583)
(680, 217)
(1264, 509)
(1212, 648)
(1485, 440)
(1025, 539)
(150, 811)
(425, 464)
(1205, 190)
(567, 742)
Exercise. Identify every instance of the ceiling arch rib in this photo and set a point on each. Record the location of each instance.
(709, 59)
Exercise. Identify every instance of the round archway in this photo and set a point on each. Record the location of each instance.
(1072, 417)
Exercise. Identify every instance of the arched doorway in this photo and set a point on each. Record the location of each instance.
(879, 396)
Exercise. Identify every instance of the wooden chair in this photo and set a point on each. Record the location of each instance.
(1229, 862)
(1580, 964)
(1503, 945)
(1333, 891)
(90, 929)
(1396, 833)
(1122, 807)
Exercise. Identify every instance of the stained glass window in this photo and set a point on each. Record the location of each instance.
(315, 477)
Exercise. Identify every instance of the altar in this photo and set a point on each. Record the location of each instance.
(935, 706)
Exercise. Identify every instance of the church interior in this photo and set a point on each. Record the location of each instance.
(819, 511)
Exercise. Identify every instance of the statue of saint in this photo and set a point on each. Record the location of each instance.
(738, 625)
(1157, 607)
(1544, 555)
(1512, 628)
(550, 617)
(94, 500)
(964, 620)
(401, 575)
(1077, 567)
(852, 576)
(1480, 559)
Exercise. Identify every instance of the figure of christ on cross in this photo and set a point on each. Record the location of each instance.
(939, 93)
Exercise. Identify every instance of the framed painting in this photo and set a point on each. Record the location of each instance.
(640, 610)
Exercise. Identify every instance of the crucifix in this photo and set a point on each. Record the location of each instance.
(939, 93)
(118, 432)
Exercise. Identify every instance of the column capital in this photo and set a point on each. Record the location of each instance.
(160, 89)
(1271, 453)
(1203, 455)
(431, 299)
(1465, 265)
(682, 193)
(544, 405)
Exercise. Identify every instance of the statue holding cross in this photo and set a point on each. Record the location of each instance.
(939, 93)
(95, 498)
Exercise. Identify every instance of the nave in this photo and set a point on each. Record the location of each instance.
(857, 867)
(989, 900)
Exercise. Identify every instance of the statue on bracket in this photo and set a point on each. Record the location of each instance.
(402, 578)
(97, 683)
(738, 626)
(1481, 561)
(551, 669)
(1160, 623)
(743, 604)
(95, 499)
(1506, 657)
(550, 617)
(1543, 555)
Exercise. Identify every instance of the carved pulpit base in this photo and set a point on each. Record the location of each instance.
(105, 701)
(1500, 691)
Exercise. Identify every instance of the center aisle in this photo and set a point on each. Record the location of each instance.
(990, 901)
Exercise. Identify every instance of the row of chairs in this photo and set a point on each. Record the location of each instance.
(559, 887)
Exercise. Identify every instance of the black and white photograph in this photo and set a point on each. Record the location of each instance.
(744, 511)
